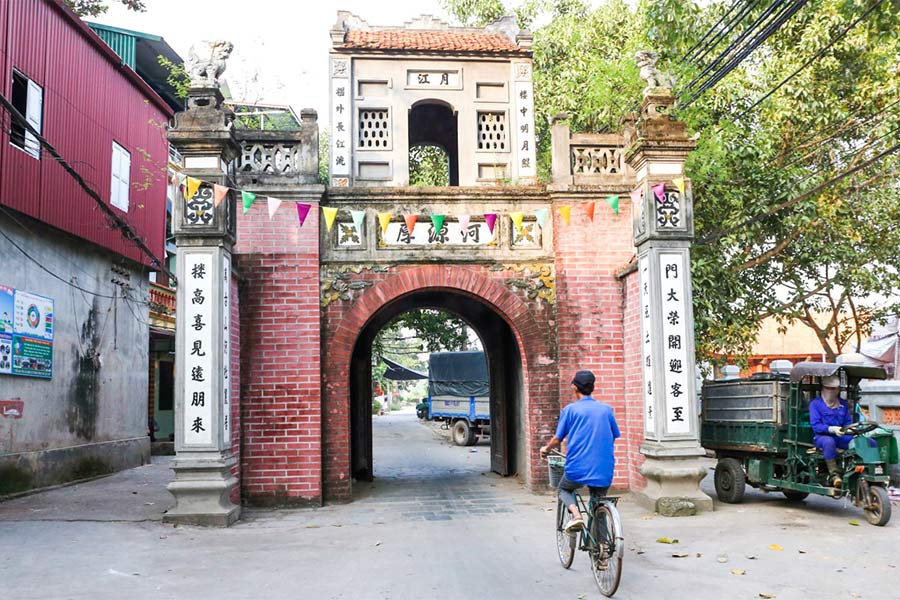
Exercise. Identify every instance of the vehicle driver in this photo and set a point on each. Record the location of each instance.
(828, 415)
(590, 429)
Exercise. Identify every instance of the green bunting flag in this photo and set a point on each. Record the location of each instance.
(358, 217)
(438, 222)
(247, 198)
(613, 202)
(540, 214)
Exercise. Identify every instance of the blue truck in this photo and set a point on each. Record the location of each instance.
(459, 395)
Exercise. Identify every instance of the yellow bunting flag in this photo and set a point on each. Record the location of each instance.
(330, 213)
(565, 212)
(219, 193)
(192, 184)
(589, 209)
(410, 223)
(679, 183)
(517, 218)
(384, 219)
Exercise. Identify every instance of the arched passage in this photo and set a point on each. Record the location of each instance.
(504, 368)
(432, 123)
(484, 302)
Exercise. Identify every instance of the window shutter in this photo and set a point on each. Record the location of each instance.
(33, 113)
(120, 177)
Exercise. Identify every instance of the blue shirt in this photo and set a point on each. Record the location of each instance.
(591, 429)
(821, 417)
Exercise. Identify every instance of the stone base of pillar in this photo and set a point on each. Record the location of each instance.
(673, 480)
(202, 490)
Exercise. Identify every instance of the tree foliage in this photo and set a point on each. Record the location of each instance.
(93, 8)
(820, 249)
(428, 166)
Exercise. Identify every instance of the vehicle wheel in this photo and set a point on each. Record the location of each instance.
(880, 513)
(606, 562)
(565, 543)
(730, 480)
(473, 437)
(794, 495)
(461, 432)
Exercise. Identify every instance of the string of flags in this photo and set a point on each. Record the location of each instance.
(190, 185)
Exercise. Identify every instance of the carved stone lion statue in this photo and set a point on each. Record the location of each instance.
(646, 61)
(205, 72)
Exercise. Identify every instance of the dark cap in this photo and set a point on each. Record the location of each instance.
(583, 378)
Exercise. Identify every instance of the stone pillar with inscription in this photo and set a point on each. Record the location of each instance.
(663, 231)
(204, 235)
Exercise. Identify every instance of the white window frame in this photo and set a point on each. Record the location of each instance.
(120, 177)
(34, 112)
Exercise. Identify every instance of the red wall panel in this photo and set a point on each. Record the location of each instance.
(89, 101)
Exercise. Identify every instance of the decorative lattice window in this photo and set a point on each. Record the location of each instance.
(492, 134)
(374, 129)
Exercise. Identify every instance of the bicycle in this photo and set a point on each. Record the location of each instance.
(604, 545)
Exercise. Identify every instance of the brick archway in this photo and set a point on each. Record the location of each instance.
(346, 321)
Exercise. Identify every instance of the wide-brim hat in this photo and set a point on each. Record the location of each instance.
(831, 381)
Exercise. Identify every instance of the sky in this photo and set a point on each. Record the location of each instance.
(280, 47)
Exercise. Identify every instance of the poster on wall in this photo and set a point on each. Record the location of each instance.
(26, 334)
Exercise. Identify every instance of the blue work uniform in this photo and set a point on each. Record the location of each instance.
(821, 417)
(591, 429)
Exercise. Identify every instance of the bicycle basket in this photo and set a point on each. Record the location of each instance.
(557, 465)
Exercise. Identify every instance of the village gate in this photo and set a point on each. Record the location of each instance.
(549, 275)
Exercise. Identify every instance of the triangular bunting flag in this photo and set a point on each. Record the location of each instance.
(247, 200)
(181, 179)
(302, 211)
(463, 221)
(679, 183)
(358, 217)
(659, 190)
(192, 184)
(517, 218)
(613, 202)
(541, 215)
(384, 219)
(330, 213)
(410, 223)
(490, 219)
(636, 196)
(565, 212)
(438, 222)
(274, 205)
(219, 193)
(589, 209)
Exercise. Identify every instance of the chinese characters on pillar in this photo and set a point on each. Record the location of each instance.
(524, 103)
(647, 345)
(196, 286)
(341, 121)
(676, 366)
(226, 351)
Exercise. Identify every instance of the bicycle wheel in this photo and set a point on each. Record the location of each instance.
(565, 543)
(606, 561)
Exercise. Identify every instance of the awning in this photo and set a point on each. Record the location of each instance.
(398, 372)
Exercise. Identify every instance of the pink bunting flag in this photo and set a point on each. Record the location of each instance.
(463, 221)
(660, 191)
(491, 220)
(636, 196)
(302, 211)
(219, 193)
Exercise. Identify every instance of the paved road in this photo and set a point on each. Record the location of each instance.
(434, 524)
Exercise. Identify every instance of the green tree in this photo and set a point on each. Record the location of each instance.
(93, 8)
(781, 232)
(428, 166)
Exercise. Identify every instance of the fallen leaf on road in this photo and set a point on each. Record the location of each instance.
(854, 523)
(855, 595)
(312, 526)
(581, 596)
(751, 557)
(699, 555)
(775, 547)
(665, 540)
(647, 517)
(680, 555)
(377, 543)
(722, 559)
(802, 551)
(761, 595)
(738, 572)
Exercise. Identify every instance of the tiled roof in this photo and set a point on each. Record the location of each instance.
(448, 41)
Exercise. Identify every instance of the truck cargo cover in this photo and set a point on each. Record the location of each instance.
(461, 374)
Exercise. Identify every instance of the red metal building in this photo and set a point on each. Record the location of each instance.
(87, 102)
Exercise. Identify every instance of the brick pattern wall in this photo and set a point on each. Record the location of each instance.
(530, 319)
(280, 366)
(590, 327)
(633, 430)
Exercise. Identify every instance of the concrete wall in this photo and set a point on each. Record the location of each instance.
(91, 417)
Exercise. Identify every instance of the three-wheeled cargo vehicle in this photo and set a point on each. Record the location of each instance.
(760, 432)
(459, 395)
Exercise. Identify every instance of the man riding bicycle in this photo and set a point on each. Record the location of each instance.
(590, 430)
